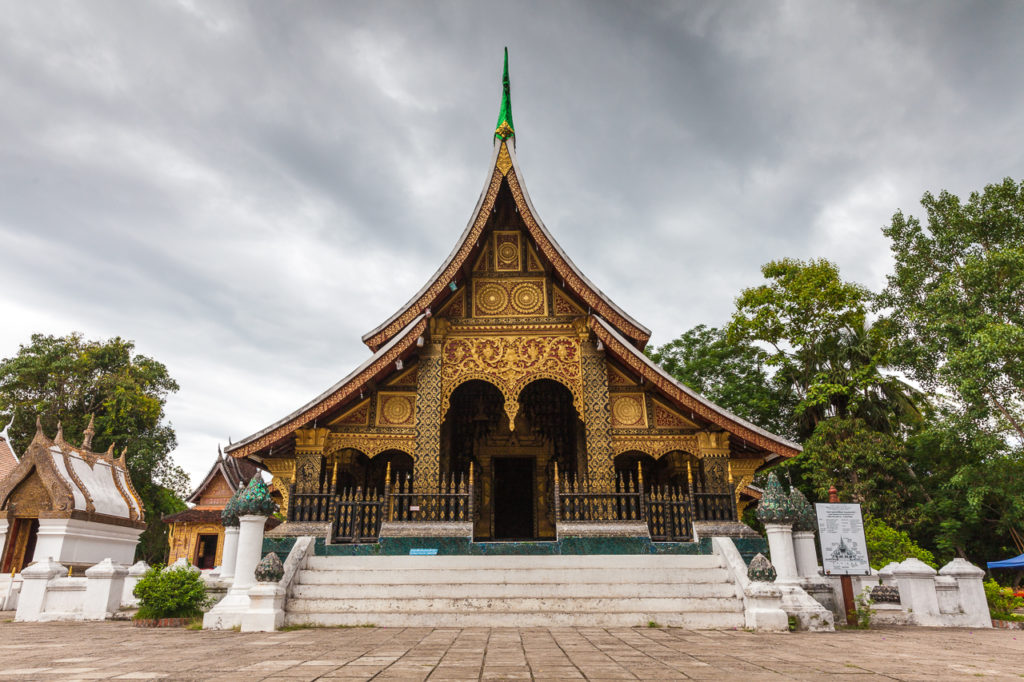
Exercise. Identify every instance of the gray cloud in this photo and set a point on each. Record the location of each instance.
(246, 188)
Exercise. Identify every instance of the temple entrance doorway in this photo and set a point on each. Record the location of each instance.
(21, 544)
(513, 498)
(206, 551)
(513, 467)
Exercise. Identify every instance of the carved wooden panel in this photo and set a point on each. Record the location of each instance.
(396, 409)
(519, 297)
(629, 410)
(507, 251)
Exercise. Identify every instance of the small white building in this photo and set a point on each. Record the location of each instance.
(69, 504)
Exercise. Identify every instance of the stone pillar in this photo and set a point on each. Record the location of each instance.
(250, 550)
(103, 590)
(427, 448)
(266, 608)
(916, 581)
(597, 419)
(230, 554)
(806, 553)
(971, 592)
(35, 580)
(780, 544)
(886, 574)
(135, 573)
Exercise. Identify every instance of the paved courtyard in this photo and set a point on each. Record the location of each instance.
(71, 651)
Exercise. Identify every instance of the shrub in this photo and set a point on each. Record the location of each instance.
(171, 593)
(886, 544)
(1002, 601)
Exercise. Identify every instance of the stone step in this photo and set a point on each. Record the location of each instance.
(691, 620)
(516, 605)
(487, 590)
(498, 574)
(559, 562)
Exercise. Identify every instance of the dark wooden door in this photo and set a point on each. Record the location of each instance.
(513, 498)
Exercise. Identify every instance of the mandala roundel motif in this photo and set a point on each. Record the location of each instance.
(527, 298)
(627, 411)
(397, 410)
(508, 253)
(491, 299)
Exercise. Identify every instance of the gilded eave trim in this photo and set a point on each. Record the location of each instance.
(639, 363)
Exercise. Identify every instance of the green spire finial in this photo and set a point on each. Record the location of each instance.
(505, 129)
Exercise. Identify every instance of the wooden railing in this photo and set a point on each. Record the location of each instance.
(452, 503)
(310, 507)
(574, 500)
(668, 514)
(358, 516)
(714, 506)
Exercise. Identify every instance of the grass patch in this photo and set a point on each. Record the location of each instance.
(653, 624)
(196, 624)
(319, 626)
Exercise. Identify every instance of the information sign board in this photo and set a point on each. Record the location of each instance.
(844, 549)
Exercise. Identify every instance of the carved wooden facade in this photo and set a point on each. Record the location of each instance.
(512, 321)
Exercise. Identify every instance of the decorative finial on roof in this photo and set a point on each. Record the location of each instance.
(505, 129)
(39, 425)
(89, 432)
(59, 438)
(220, 453)
(123, 459)
(109, 454)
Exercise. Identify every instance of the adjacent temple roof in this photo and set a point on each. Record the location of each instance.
(397, 335)
(78, 481)
(8, 460)
(236, 474)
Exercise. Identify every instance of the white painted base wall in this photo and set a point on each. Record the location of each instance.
(71, 541)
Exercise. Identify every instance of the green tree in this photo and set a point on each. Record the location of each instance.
(886, 544)
(827, 359)
(731, 374)
(957, 299)
(67, 379)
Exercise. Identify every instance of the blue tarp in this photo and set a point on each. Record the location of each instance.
(1015, 562)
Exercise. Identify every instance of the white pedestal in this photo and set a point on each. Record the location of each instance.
(916, 581)
(230, 611)
(972, 592)
(266, 608)
(35, 580)
(806, 553)
(780, 544)
(229, 555)
(103, 590)
(762, 610)
(135, 573)
(74, 541)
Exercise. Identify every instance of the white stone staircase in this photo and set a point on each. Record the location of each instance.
(693, 591)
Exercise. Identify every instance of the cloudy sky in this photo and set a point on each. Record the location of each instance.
(246, 188)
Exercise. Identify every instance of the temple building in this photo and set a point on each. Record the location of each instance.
(512, 399)
(70, 504)
(197, 534)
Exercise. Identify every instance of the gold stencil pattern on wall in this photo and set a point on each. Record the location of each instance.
(357, 416)
(532, 260)
(509, 298)
(510, 363)
(507, 251)
(563, 305)
(665, 418)
(597, 423)
(396, 409)
(629, 410)
(427, 442)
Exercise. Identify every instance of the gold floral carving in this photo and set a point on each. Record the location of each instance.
(396, 409)
(533, 261)
(283, 472)
(629, 410)
(562, 304)
(455, 307)
(429, 413)
(655, 446)
(510, 363)
(665, 418)
(509, 298)
(371, 444)
(743, 471)
(507, 251)
(617, 378)
(669, 389)
(504, 162)
(357, 416)
(597, 421)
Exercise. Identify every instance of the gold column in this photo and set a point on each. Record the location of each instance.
(283, 472)
(309, 451)
(427, 449)
(597, 420)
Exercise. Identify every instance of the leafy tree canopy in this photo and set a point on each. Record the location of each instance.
(957, 299)
(67, 379)
(729, 373)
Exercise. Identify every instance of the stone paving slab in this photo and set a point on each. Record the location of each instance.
(117, 651)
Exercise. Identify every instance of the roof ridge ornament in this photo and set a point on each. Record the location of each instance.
(88, 434)
(505, 128)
